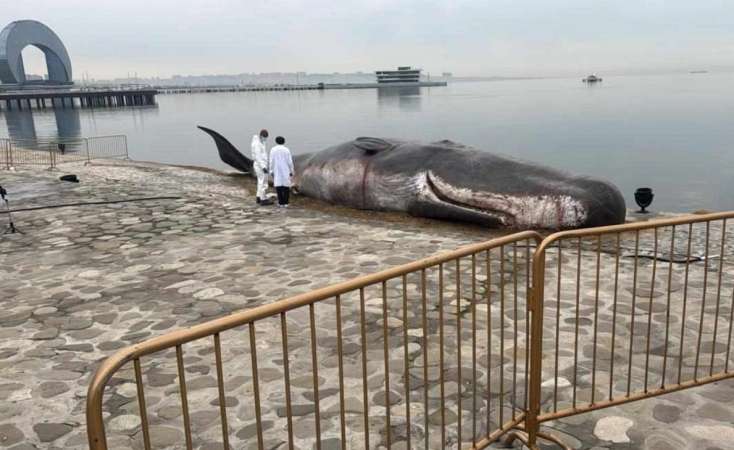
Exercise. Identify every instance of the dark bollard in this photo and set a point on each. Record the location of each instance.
(643, 198)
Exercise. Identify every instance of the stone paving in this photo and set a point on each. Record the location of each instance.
(85, 281)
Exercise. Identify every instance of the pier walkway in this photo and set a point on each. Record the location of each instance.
(72, 98)
(291, 87)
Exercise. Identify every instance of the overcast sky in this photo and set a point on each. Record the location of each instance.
(109, 38)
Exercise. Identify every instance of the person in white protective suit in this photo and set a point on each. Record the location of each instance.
(260, 166)
(281, 165)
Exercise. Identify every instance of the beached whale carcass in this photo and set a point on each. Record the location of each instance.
(446, 180)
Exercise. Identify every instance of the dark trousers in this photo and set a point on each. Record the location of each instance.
(284, 194)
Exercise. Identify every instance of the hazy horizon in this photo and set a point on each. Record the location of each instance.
(468, 38)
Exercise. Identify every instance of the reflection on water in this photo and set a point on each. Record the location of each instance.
(21, 125)
(407, 98)
(68, 123)
(67, 128)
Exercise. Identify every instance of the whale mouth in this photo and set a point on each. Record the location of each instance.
(466, 201)
(545, 210)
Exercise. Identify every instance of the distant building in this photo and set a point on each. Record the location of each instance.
(404, 74)
(447, 74)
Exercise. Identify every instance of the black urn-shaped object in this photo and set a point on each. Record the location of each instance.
(643, 198)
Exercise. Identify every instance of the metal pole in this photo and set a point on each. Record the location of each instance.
(124, 143)
(6, 153)
(536, 347)
(86, 146)
(52, 157)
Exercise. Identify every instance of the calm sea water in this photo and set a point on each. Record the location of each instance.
(673, 133)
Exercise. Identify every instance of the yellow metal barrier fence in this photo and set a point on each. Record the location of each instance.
(447, 351)
(628, 312)
(429, 353)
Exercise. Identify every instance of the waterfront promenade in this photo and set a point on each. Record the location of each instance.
(84, 281)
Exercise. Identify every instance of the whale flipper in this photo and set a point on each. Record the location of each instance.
(228, 152)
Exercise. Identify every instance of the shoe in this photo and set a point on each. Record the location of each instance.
(257, 200)
(265, 202)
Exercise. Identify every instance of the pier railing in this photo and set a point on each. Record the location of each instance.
(50, 153)
(457, 350)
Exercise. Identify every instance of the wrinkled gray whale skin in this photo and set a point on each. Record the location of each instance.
(449, 181)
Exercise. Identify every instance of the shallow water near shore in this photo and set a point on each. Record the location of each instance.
(668, 132)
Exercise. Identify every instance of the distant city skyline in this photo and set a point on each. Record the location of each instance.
(467, 37)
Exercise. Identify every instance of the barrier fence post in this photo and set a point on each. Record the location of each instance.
(124, 143)
(532, 426)
(52, 157)
(86, 146)
(6, 153)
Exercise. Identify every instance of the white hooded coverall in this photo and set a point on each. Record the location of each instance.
(260, 165)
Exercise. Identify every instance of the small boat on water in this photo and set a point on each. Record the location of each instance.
(591, 79)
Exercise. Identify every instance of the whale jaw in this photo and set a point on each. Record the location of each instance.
(440, 199)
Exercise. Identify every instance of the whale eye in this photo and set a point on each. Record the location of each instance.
(372, 146)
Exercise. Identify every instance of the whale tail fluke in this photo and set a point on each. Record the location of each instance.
(228, 152)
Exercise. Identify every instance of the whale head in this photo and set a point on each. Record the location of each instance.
(462, 183)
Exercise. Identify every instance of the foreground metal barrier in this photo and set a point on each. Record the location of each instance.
(51, 153)
(428, 352)
(447, 351)
(649, 296)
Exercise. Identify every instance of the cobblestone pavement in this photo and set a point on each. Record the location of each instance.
(85, 281)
